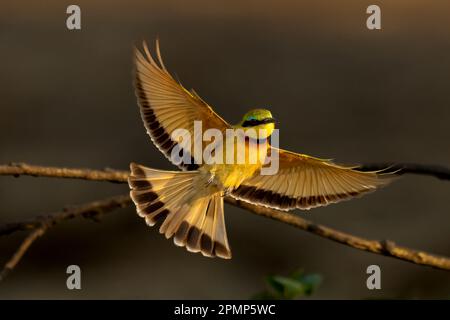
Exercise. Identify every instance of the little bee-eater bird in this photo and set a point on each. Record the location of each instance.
(189, 203)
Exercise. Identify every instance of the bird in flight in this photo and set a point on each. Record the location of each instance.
(189, 203)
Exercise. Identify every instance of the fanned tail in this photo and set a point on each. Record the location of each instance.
(194, 220)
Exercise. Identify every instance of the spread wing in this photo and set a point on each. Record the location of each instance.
(166, 105)
(305, 182)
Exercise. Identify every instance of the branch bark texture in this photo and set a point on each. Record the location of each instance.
(381, 247)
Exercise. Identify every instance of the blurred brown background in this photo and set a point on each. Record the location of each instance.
(338, 90)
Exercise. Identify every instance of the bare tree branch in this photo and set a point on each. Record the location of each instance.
(11, 264)
(40, 225)
(117, 176)
(23, 169)
(88, 210)
(386, 247)
(439, 172)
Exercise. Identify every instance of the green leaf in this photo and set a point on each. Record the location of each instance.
(297, 285)
(291, 288)
(275, 286)
(311, 282)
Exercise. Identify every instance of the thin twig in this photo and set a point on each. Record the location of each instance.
(11, 264)
(41, 224)
(386, 247)
(23, 169)
(439, 172)
(88, 210)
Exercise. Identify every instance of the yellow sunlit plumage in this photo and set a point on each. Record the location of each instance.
(189, 203)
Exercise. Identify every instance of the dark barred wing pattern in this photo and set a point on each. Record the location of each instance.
(305, 182)
(165, 106)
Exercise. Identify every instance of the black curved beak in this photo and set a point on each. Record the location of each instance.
(270, 120)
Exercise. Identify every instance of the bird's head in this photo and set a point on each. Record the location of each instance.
(261, 121)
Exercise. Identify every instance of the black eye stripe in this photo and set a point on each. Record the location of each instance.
(255, 122)
(251, 123)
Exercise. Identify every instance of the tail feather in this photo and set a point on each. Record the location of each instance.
(194, 219)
